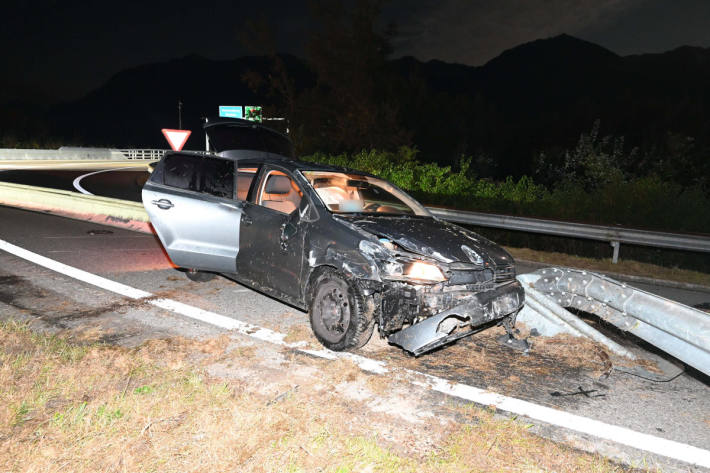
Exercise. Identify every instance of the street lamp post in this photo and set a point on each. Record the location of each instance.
(179, 114)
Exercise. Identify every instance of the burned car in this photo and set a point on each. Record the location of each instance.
(351, 248)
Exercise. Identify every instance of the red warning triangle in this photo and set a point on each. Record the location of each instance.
(176, 138)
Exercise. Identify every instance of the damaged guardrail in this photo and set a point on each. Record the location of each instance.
(679, 330)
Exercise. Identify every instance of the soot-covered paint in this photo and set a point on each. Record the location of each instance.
(283, 255)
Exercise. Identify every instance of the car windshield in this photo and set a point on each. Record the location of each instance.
(345, 193)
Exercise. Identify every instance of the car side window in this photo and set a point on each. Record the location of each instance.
(181, 171)
(278, 191)
(200, 174)
(218, 177)
(245, 180)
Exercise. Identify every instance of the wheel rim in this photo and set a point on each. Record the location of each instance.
(332, 312)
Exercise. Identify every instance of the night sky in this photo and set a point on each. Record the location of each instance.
(59, 50)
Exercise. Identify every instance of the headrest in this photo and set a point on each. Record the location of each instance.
(322, 182)
(278, 185)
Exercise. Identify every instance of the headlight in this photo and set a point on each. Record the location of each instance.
(411, 270)
(424, 271)
(398, 267)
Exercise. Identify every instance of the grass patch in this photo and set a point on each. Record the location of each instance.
(69, 407)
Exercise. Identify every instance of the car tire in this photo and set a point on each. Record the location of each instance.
(198, 276)
(341, 318)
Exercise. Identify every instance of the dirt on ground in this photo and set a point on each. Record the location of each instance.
(226, 403)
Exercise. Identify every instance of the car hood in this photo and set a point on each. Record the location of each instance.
(435, 238)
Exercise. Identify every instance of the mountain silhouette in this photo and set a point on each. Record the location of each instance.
(544, 93)
(537, 96)
(134, 105)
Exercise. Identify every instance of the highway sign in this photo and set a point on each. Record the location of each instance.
(176, 138)
(231, 111)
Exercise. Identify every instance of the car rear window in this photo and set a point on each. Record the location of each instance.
(200, 174)
(218, 177)
(274, 143)
(181, 171)
(225, 137)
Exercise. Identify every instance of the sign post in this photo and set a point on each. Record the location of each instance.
(176, 138)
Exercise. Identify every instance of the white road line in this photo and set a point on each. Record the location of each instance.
(123, 237)
(77, 181)
(103, 250)
(645, 442)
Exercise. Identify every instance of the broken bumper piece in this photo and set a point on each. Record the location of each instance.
(460, 321)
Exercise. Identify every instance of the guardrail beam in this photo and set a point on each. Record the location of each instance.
(614, 235)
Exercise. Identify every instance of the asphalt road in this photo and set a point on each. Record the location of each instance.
(677, 410)
(123, 183)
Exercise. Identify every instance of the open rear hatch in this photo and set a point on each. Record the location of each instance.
(228, 136)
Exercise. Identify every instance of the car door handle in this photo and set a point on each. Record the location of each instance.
(246, 220)
(164, 204)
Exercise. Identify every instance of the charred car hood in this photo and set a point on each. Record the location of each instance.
(434, 238)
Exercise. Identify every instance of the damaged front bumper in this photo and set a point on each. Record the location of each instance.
(462, 320)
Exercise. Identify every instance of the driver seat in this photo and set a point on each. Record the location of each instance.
(279, 194)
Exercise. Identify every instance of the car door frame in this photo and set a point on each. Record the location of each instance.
(190, 253)
(252, 265)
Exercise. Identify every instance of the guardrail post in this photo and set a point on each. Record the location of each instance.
(615, 257)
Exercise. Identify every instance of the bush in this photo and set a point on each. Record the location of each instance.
(648, 201)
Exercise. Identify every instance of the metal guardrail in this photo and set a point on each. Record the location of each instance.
(142, 154)
(92, 208)
(81, 154)
(677, 329)
(614, 235)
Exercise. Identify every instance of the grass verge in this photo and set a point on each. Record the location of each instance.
(71, 407)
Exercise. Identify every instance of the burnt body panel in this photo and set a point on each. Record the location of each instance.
(428, 282)
(461, 320)
(435, 238)
(478, 293)
(265, 257)
(333, 245)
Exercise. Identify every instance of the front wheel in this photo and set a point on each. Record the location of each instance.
(339, 315)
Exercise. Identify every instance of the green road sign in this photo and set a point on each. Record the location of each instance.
(252, 112)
